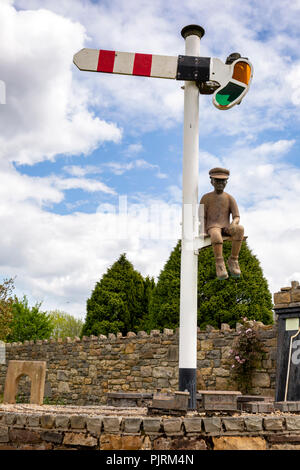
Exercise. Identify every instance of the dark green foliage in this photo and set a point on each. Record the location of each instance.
(218, 301)
(28, 323)
(164, 303)
(6, 302)
(118, 302)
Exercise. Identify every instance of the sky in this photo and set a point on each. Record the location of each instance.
(91, 163)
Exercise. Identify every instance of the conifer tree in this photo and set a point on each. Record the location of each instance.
(225, 301)
(118, 301)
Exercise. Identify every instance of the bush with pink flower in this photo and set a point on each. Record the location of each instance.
(246, 356)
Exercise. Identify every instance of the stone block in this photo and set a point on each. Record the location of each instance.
(24, 436)
(33, 421)
(239, 443)
(261, 379)
(47, 421)
(152, 425)
(111, 424)
(181, 443)
(62, 421)
(21, 420)
(234, 424)
(94, 425)
(79, 439)
(221, 372)
(62, 375)
(132, 425)
(206, 344)
(212, 425)
(273, 423)
(10, 418)
(4, 437)
(63, 387)
(219, 400)
(172, 426)
(295, 295)
(282, 297)
(78, 422)
(292, 423)
(163, 372)
(52, 436)
(192, 424)
(253, 423)
(117, 442)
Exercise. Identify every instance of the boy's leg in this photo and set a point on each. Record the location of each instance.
(237, 233)
(217, 244)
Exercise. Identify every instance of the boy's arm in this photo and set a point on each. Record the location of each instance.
(234, 210)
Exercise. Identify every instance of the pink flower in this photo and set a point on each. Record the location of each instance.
(249, 330)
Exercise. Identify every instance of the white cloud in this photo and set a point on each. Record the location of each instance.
(46, 111)
(87, 184)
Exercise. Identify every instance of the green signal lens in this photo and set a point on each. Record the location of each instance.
(228, 94)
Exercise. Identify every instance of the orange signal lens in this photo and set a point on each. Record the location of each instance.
(242, 72)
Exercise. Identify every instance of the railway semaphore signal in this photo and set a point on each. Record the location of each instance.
(228, 83)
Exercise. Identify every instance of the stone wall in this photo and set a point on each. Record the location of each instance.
(81, 372)
(64, 429)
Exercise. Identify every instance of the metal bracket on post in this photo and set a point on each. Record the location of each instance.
(193, 68)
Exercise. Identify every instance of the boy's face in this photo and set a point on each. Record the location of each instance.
(219, 184)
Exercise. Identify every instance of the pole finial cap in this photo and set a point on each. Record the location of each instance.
(192, 29)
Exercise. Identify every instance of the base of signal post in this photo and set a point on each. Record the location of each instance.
(189, 259)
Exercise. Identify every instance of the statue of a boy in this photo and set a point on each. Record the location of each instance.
(218, 206)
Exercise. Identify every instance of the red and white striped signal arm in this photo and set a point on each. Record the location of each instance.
(126, 63)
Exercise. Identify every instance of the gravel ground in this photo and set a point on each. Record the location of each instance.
(68, 409)
(108, 411)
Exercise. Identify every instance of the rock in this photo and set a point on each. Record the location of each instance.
(253, 423)
(47, 421)
(52, 436)
(21, 420)
(63, 387)
(192, 424)
(261, 379)
(212, 425)
(233, 424)
(273, 423)
(239, 443)
(292, 423)
(62, 375)
(206, 344)
(10, 418)
(117, 442)
(24, 435)
(184, 443)
(79, 439)
(4, 434)
(94, 426)
(33, 421)
(151, 425)
(62, 421)
(78, 422)
(172, 426)
(111, 423)
(129, 348)
(163, 372)
(132, 425)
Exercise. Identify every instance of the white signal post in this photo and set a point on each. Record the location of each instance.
(194, 71)
(189, 260)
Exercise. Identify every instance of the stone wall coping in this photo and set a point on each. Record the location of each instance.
(170, 425)
(225, 330)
